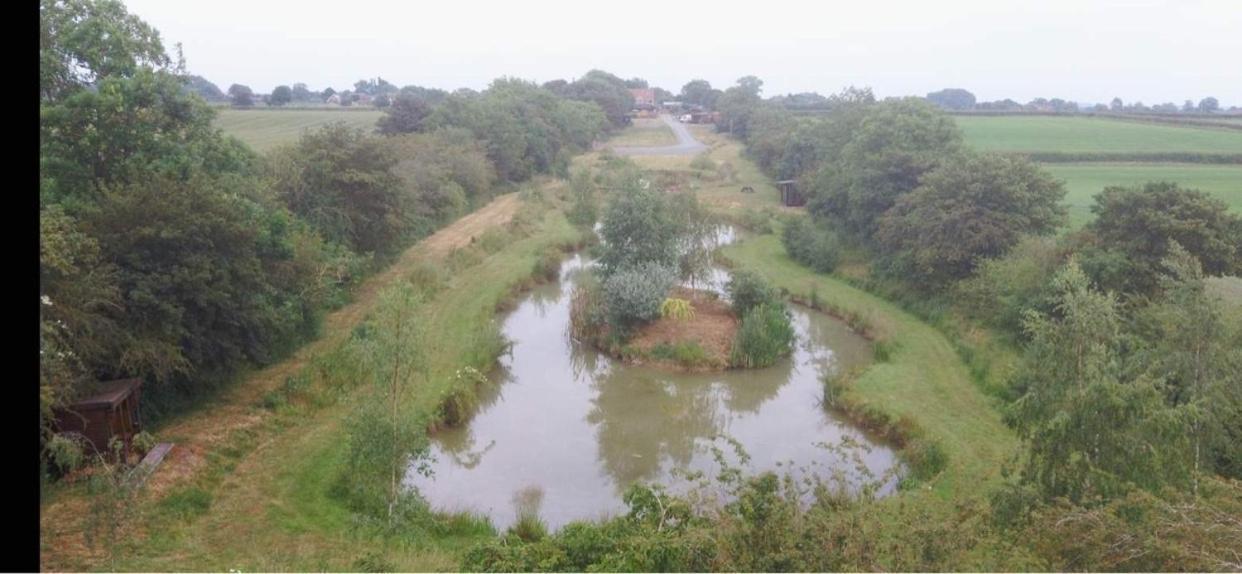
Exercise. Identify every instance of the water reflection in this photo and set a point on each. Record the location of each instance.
(579, 427)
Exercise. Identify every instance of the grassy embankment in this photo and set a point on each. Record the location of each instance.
(259, 497)
(264, 129)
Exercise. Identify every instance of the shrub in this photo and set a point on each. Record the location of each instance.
(1003, 289)
(765, 336)
(584, 211)
(548, 266)
(633, 296)
(674, 308)
(747, 291)
(811, 245)
(702, 161)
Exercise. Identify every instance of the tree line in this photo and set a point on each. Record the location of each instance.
(1131, 377)
(172, 252)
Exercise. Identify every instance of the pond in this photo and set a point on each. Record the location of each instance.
(576, 427)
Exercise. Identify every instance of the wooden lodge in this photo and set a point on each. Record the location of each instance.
(790, 196)
(113, 412)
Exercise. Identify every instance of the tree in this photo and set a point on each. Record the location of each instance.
(281, 95)
(204, 88)
(443, 173)
(970, 208)
(242, 96)
(1193, 345)
(1117, 105)
(699, 93)
(1209, 105)
(328, 93)
(84, 41)
(528, 129)
(1134, 227)
(160, 256)
(407, 114)
(300, 93)
(638, 227)
(340, 181)
(1091, 429)
(191, 260)
(884, 151)
(383, 442)
(952, 99)
(607, 91)
(738, 103)
(1188, 106)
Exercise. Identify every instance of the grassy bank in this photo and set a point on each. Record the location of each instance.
(258, 497)
(923, 378)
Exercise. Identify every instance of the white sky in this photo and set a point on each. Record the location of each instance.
(1088, 51)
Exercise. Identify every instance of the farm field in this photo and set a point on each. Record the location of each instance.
(1093, 135)
(1084, 180)
(266, 129)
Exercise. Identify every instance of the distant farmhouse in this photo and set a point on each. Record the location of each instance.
(644, 98)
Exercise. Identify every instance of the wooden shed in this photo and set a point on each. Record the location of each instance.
(113, 412)
(790, 196)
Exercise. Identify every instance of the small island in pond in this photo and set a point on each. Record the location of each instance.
(642, 302)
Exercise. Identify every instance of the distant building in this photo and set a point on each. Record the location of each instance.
(644, 98)
(334, 99)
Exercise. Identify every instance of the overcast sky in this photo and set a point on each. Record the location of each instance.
(1083, 50)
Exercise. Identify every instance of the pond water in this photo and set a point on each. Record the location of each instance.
(576, 427)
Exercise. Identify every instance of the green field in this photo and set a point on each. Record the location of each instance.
(644, 132)
(1084, 180)
(265, 129)
(1093, 135)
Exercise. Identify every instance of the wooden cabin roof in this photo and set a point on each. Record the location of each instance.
(110, 395)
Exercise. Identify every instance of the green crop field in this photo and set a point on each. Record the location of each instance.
(265, 129)
(1084, 180)
(1093, 135)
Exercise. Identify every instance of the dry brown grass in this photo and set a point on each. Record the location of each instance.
(712, 328)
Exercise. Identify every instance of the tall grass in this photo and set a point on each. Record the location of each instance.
(764, 336)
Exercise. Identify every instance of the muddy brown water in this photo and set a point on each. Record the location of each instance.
(569, 428)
